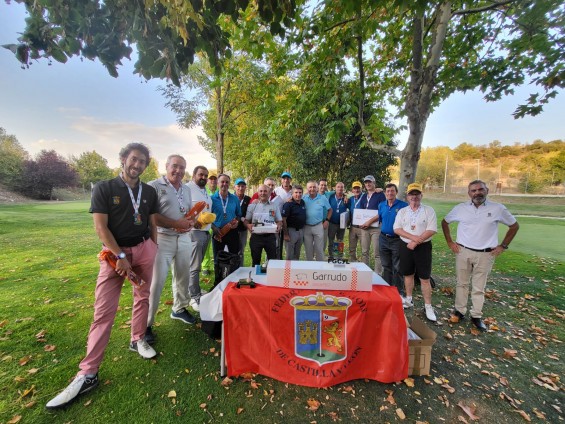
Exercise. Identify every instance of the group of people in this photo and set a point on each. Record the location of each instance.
(148, 231)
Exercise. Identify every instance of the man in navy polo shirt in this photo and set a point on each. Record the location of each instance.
(294, 219)
(371, 231)
(338, 203)
(389, 242)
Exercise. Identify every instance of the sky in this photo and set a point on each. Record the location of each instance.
(78, 107)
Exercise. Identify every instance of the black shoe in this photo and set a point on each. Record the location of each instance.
(81, 384)
(458, 314)
(183, 316)
(477, 322)
(150, 336)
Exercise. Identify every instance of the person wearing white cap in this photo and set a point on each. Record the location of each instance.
(416, 224)
(370, 229)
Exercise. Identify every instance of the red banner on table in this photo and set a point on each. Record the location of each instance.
(315, 338)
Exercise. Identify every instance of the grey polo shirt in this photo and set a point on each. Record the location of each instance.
(171, 201)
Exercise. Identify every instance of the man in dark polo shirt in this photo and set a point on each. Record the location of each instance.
(294, 219)
(124, 211)
(244, 200)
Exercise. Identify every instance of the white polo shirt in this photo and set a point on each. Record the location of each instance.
(416, 223)
(198, 195)
(284, 195)
(478, 227)
(172, 204)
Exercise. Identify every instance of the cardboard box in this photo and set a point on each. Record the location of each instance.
(420, 350)
(319, 275)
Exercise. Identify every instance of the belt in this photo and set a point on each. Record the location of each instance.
(389, 236)
(355, 226)
(488, 249)
(313, 225)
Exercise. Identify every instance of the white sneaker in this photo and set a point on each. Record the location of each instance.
(407, 302)
(143, 348)
(194, 304)
(81, 384)
(430, 314)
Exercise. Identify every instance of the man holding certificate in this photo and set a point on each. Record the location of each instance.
(366, 215)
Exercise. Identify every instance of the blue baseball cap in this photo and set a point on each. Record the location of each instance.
(240, 181)
(286, 175)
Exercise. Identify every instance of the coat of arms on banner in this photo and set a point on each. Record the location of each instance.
(320, 327)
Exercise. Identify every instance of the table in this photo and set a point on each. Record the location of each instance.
(314, 338)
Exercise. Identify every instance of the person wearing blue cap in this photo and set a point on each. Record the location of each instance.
(239, 187)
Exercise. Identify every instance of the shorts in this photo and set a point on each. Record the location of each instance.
(417, 261)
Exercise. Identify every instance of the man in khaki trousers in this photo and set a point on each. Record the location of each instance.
(476, 247)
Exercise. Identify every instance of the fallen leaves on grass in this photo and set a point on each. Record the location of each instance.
(23, 361)
(390, 398)
(547, 380)
(239, 410)
(400, 414)
(15, 419)
(226, 382)
(510, 353)
(409, 382)
(27, 392)
(469, 410)
(49, 348)
(524, 415)
(313, 404)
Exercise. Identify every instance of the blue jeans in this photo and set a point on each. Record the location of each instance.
(390, 259)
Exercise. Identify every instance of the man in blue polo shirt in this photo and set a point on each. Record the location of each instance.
(318, 213)
(389, 242)
(228, 212)
(371, 231)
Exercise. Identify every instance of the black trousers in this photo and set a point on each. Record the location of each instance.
(231, 240)
(258, 242)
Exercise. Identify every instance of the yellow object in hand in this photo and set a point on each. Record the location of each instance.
(206, 218)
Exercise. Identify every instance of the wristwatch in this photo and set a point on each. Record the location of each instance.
(121, 255)
(504, 246)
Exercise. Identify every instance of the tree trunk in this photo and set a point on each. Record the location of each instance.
(422, 85)
(219, 131)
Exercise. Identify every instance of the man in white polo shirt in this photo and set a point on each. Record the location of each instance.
(200, 237)
(476, 247)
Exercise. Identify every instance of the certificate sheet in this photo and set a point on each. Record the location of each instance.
(360, 216)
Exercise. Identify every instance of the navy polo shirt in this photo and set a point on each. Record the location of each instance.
(295, 214)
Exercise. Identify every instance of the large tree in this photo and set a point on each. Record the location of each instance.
(47, 171)
(91, 168)
(412, 58)
(12, 159)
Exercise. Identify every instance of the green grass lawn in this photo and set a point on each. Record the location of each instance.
(48, 268)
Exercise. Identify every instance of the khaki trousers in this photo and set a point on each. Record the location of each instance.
(473, 268)
(370, 237)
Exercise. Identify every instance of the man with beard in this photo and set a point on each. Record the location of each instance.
(174, 243)
(240, 187)
(476, 247)
(123, 210)
(199, 236)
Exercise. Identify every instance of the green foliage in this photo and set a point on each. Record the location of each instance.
(12, 159)
(166, 33)
(91, 168)
(151, 172)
